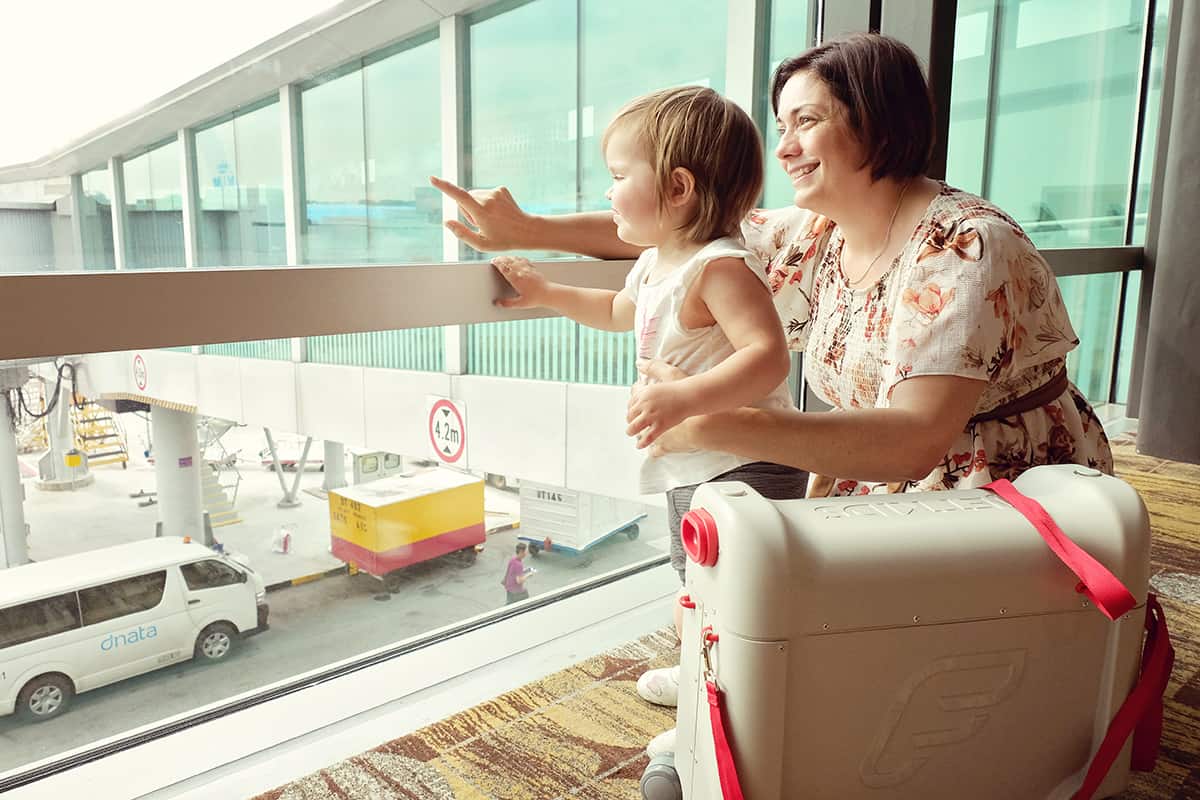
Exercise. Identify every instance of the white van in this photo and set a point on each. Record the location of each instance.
(87, 620)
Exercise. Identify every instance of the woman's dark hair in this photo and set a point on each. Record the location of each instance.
(879, 81)
(520, 548)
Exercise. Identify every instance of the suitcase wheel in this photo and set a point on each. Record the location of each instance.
(660, 781)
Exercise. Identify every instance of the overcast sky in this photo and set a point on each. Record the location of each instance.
(69, 66)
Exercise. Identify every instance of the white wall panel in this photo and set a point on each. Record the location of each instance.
(395, 408)
(269, 394)
(219, 387)
(601, 459)
(168, 375)
(331, 403)
(515, 427)
(103, 373)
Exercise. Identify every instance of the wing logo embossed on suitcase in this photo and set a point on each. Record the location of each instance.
(898, 646)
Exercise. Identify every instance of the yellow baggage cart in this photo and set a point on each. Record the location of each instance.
(383, 526)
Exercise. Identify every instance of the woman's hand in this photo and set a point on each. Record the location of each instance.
(531, 286)
(658, 406)
(683, 438)
(499, 222)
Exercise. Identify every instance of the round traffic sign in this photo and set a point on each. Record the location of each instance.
(447, 431)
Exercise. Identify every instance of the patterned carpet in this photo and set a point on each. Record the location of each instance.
(581, 732)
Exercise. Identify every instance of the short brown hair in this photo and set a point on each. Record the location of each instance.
(879, 81)
(710, 136)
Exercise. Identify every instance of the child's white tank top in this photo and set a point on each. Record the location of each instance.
(660, 335)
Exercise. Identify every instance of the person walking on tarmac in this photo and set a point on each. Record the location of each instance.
(514, 578)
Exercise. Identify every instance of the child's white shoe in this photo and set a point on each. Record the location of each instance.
(662, 744)
(660, 686)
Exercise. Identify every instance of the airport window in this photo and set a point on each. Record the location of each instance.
(371, 139)
(38, 619)
(121, 598)
(239, 182)
(153, 209)
(210, 574)
(1043, 117)
(791, 32)
(535, 123)
(96, 220)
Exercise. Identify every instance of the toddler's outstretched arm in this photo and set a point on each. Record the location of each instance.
(596, 308)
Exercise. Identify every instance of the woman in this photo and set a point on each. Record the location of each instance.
(928, 319)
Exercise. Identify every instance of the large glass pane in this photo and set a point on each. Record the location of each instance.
(335, 230)
(239, 166)
(791, 32)
(392, 533)
(1092, 302)
(219, 235)
(403, 147)
(258, 136)
(606, 83)
(524, 104)
(153, 205)
(96, 220)
(1042, 123)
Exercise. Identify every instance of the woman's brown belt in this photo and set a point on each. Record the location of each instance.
(1047, 393)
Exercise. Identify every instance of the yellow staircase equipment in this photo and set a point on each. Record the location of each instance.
(217, 502)
(99, 434)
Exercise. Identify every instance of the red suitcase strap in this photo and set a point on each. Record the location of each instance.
(1095, 581)
(1142, 712)
(731, 788)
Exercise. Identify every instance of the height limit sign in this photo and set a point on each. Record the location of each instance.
(448, 429)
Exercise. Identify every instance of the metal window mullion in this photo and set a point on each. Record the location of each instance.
(746, 45)
(989, 112)
(1140, 118)
(1154, 207)
(927, 26)
(291, 131)
(453, 46)
(120, 215)
(291, 145)
(841, 17)
(77, 219)
(190, 197)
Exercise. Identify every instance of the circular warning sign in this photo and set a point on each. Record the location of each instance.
(139, 372)
(447, 431)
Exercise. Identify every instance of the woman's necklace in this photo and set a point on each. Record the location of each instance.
(887, 237)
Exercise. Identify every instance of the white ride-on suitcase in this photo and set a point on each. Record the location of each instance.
(907, 646)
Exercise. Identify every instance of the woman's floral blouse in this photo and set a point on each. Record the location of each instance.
(969, 295)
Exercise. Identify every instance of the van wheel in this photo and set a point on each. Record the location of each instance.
(44, 697)
(215, 642)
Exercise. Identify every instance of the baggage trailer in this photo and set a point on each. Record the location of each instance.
(909, 646)
(564, 520)
(383, 526)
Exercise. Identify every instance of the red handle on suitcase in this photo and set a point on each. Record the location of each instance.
(1095, 581)
(1141, 713)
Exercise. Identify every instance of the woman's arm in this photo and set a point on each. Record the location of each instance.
(500, 224)
(903, 442)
